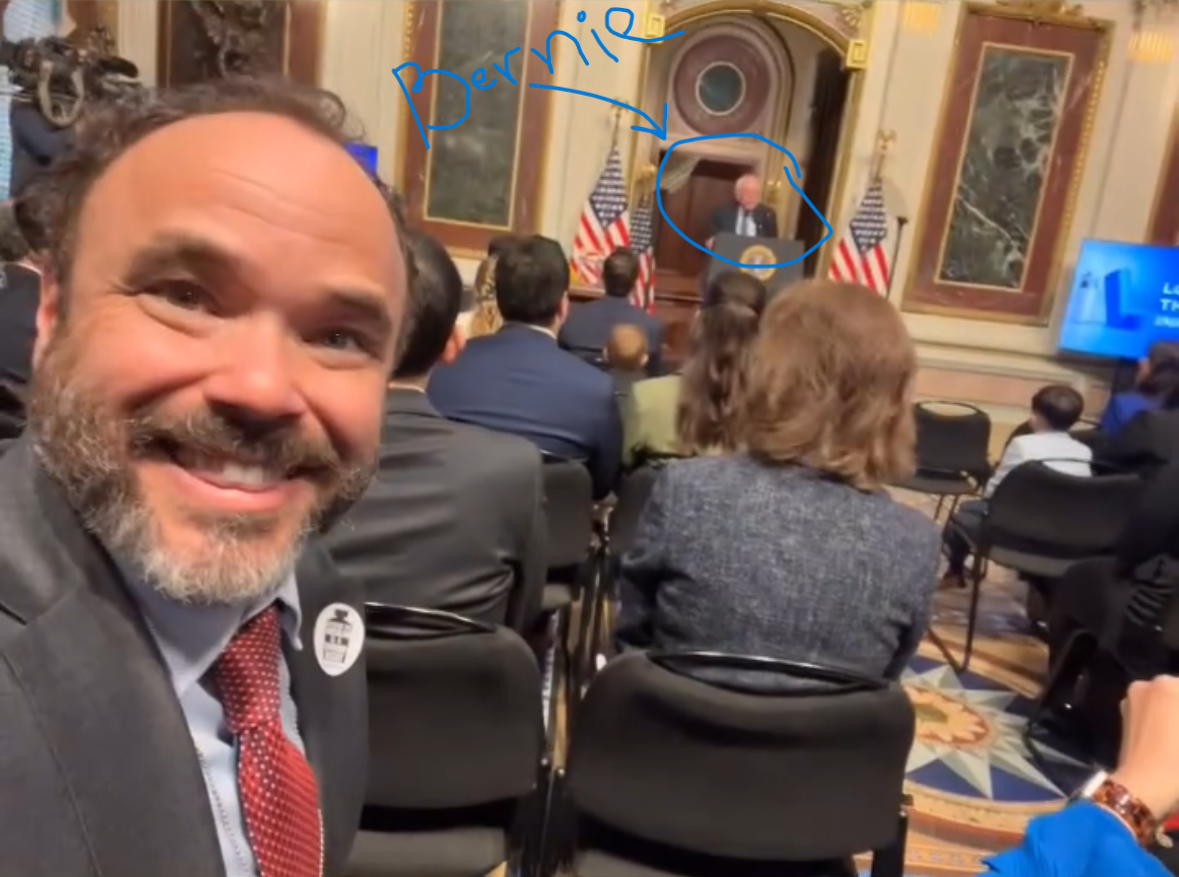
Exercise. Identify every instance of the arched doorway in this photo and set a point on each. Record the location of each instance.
(760, 67)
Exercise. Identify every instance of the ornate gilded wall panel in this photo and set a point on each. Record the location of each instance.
(483, 176)
(1007, 161)
(205, 39)
(1164, 219)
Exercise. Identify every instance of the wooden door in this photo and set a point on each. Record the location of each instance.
(679, 264)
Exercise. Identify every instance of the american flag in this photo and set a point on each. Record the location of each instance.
(642, 242)
(605, 224)
(860, 256)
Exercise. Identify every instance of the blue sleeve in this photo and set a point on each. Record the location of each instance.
(1082, 840)
(1111, 419)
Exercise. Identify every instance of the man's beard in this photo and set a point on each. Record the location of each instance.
(89, 449)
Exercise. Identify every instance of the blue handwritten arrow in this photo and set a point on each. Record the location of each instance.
(658, 130)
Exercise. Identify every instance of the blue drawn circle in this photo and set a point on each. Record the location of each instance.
(581, 15)
(789, 178)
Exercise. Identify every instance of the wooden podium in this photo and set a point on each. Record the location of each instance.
(751, 252)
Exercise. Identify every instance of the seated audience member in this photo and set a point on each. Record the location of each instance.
(1136, 584)
(1148, 442)
(1158, 376)
(693, 412)
(454, 518)
(519, 381)
(486, 319)
(20, 293)
(626, 357)
(792, 548)
(1110, 829)
(1055, 410)
(588, 328)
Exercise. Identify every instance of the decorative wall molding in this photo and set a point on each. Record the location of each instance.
(485, 177)
(203, 39)
(990, 239)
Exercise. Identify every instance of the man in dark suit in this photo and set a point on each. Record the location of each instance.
(454, 519)
(181, 671)
(519, 381)
(745, 215)
(588, 328)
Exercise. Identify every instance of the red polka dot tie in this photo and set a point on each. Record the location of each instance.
(277, 787)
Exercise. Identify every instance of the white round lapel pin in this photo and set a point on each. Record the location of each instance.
(339, 638)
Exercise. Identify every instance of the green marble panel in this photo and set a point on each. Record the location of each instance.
(472, 167)
(1006, 158)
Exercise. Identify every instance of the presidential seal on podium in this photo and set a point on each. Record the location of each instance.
(756, 255)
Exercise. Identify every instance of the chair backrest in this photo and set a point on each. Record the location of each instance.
(785, 777)
(1037, 509)
(455, 711)
(633, 493)
(569, 511)
(952, 438)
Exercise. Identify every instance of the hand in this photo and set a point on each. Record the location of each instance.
(1149, 761)
(708, 243)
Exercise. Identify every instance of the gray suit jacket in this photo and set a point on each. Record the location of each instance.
(98, 774)
(454, 519)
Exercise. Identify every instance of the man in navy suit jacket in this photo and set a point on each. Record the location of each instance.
(588, 328)
(520, 381)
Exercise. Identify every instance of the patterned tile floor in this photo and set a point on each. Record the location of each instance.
(973, 782)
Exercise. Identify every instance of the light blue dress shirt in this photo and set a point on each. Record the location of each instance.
(1082, 840)
(191, 638)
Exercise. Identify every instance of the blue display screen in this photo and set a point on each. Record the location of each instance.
(1124, 298)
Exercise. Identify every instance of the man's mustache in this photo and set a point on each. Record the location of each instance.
(276, 446)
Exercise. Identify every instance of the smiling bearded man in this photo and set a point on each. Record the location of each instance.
(182, 687)
(240, 543)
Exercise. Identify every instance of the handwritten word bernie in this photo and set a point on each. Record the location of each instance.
(480, 82)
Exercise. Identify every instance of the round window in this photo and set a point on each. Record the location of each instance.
(720, 88)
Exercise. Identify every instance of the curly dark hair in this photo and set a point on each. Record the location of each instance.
(719, 348)
(108, 130)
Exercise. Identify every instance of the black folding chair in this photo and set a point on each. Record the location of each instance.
(569, 511)
(952, 445)
(671, 775)
(456, 743)
(1039, 522)
(618, 538)
(1138, 641)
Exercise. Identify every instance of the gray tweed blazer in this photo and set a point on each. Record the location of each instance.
(735, 556)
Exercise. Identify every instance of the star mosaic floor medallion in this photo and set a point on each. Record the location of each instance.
(969, 740)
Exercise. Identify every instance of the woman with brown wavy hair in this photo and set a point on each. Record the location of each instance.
(695, 412)
(791, 548)
(486, 319)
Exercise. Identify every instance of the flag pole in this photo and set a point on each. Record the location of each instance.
(902, 221)
(884, 141)
(616, 112)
